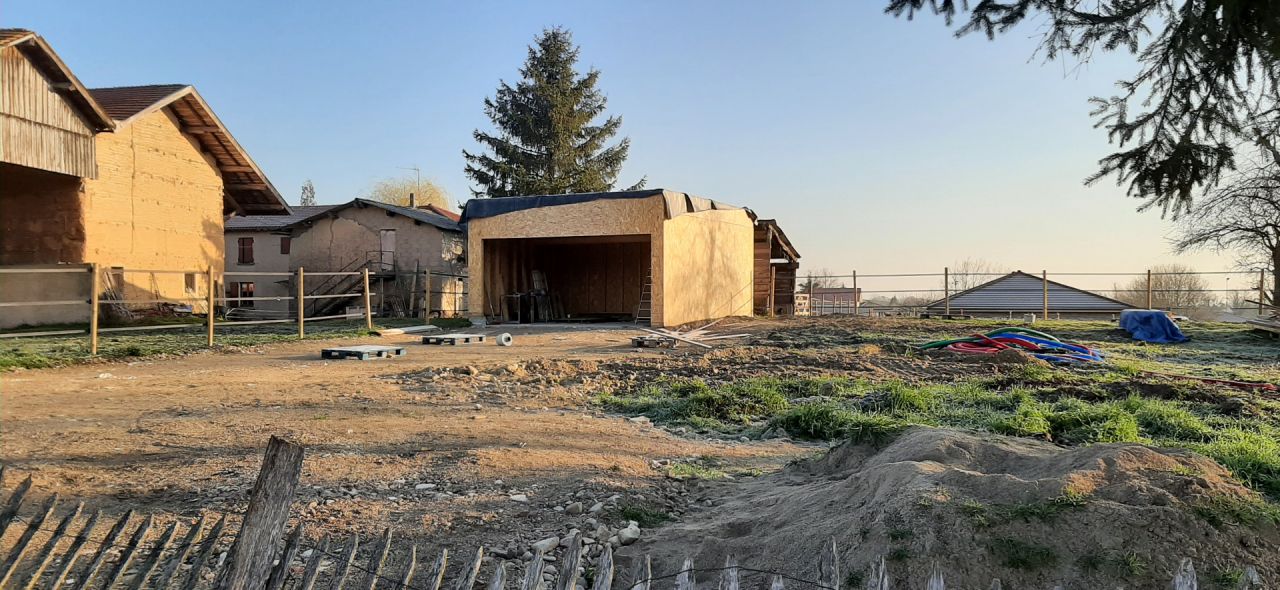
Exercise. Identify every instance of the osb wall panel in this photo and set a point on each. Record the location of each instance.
(607, 217)
(708, 268)
(156, 204)
(40, 217)
(38, 127)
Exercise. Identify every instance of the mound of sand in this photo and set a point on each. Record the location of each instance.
(981, 506)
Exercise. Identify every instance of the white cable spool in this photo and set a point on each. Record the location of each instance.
(504, 339)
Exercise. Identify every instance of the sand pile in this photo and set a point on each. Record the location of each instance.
(983, 506)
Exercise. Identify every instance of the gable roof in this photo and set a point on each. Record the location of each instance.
(247, 189)
(61, 79)
(775, 231)
(418, 215)
(677, 203)
(1019, 292)
(273, 222)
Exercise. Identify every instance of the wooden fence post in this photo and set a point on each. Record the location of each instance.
(302, 306)
(368, 312)
(254, 550)
(1044, 286)
(1262, 289)
(92, 309)
(946, 289)
(856, 298)
(212, 302)
(1150, 302)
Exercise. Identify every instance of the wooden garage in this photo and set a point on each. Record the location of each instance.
(654, 256)
(776, 262)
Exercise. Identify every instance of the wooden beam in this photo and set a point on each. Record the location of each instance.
(236, 168)
(198, 129)
(246, 186)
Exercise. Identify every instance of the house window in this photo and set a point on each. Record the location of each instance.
(246, 251)
(237, 290)
(190, 279)
(285, 243)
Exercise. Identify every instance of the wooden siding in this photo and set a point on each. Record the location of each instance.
(38, 127)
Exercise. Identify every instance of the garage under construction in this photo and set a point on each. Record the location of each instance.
(656, 256)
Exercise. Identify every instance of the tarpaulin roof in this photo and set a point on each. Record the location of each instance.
(677, 203)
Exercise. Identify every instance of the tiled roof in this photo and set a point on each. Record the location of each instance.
(442, 211)
(122, 102)
(420, 215)
(273, 222)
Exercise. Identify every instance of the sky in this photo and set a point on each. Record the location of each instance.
(879, 144)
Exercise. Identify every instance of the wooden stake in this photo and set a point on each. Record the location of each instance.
(212, 303)
(1150, 302)
(856, 298)
(250, 558)
(368, 311)
(93, 309)
(302, 310)
(946, 289)
(1044, 284)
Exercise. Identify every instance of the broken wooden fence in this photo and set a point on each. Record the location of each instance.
(195, 556)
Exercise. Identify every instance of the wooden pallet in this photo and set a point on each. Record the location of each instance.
(363, 352)
(453, 339)
(653, 342)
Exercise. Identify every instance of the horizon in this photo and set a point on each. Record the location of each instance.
(967, 148)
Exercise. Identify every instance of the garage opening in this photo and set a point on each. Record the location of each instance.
(573, 279)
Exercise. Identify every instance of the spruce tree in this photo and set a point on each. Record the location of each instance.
(545, 141)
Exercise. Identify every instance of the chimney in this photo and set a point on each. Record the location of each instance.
(413, 203)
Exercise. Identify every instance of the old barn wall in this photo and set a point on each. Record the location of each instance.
(40, 217)
(156, 204)
(604, 217)
(708, 268)
(38, 127)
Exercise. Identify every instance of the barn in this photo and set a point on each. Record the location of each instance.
(1020, 293)
(654, 256)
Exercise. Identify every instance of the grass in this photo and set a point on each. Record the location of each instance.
(1022, 555)
(46, 352)
(645, 514)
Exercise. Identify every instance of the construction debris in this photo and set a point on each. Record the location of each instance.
(406, 330)
(363, 352)
(664, 337)
(454, 339)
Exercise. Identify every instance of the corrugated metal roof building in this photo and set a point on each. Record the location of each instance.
(1019, 292)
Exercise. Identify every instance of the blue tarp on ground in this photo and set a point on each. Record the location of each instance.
(1149, 325)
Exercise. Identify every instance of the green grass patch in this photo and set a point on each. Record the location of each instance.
(1022, 555)
(1249, 512)
(645, 514)
(1254, 457)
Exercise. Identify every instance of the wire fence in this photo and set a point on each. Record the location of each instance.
(88, 299)
(1201, 295)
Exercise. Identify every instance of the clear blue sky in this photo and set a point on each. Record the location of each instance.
(879, 144)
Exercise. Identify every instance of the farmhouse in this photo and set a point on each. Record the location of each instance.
(129, 178)
(1020, 293)
(656, 256)
(262, 244)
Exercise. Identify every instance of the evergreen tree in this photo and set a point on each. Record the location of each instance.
(308, 198)
(546, 142)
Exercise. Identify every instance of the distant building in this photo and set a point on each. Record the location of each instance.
(833, 300)
(263, 244)
(1019, 293)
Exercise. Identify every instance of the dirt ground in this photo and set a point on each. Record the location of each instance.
(455, 447)
(434, 444)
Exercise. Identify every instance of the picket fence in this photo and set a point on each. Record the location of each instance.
(129, 557)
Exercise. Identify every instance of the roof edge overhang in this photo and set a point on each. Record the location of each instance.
(258, 177)
(64, 81)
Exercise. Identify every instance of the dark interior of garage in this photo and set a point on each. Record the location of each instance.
(576, 279)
